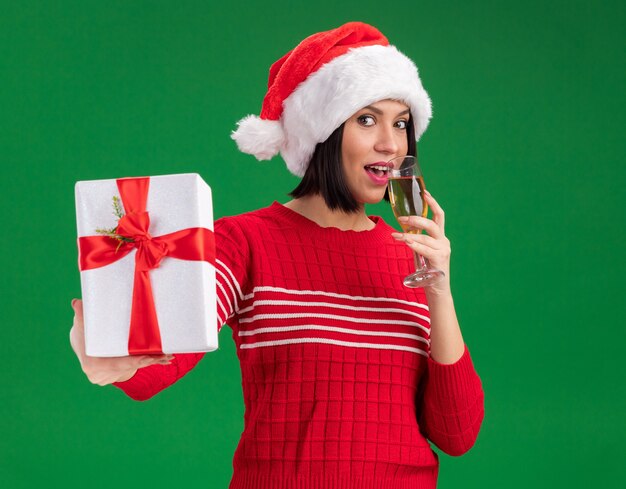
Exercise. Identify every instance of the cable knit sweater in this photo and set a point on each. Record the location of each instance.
(339, 388)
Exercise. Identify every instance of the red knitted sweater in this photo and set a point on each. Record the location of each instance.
(339, 388)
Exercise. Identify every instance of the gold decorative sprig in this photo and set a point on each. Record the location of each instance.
(117, 207)
(118, 212)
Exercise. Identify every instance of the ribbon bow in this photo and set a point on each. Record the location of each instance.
(150, 251)
(187, 244)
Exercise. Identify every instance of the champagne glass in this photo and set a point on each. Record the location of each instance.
(406, 195)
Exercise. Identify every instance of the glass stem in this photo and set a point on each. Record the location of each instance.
(420, 262)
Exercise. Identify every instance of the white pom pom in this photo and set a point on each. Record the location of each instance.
(259, 137)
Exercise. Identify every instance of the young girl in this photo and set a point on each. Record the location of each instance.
(347, 374)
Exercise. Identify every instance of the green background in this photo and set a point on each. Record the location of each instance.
(524, 153)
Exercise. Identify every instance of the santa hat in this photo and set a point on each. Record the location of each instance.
(321, 83)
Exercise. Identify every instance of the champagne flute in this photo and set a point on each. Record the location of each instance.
(406, 195)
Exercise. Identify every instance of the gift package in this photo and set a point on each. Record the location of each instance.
(146, 254)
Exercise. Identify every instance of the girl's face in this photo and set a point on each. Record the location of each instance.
(371, 137)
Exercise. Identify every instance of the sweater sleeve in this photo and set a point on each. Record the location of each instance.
(452, 408)
(231, 265)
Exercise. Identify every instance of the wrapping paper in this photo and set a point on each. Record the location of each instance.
(183, 290)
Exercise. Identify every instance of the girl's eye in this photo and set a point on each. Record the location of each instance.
(365, 120)
(401, 124)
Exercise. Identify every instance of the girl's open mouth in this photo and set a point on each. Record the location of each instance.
(378, 172)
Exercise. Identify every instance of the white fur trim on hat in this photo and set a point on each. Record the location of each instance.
(333, 93)
(259, 137)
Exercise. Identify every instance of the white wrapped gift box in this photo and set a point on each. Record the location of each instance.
(183, 290)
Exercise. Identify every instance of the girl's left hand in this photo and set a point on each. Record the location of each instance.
(434, 246)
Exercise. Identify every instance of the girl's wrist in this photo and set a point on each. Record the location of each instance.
(438, 292)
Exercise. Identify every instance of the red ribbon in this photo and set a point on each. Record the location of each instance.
(98, 251)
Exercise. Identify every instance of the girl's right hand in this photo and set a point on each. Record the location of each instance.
(106, 370)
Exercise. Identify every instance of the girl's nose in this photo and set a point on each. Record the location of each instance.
(386, 141)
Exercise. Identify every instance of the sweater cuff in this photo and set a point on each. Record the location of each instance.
(454, 384)
(135, 387)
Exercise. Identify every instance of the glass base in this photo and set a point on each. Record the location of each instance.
(423, 278)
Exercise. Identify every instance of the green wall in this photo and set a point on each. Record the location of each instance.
(525, 155)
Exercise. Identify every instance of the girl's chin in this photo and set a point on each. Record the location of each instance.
(371, 198)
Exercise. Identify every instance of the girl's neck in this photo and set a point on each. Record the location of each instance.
(314, 207)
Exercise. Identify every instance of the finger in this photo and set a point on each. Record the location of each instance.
(420, 248)
(130, 362)
(77, 339)
(422, 223)
(141, 361)
(77, 331)
(423, 239)
(164, 356)
(159, 362)
(77, 305)
(155, 360)
(438, 215)
(163, 359)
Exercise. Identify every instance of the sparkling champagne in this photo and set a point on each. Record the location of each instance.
(406, 195)
(407, 198)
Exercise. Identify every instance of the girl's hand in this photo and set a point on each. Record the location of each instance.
(434, 246)
(103, 371)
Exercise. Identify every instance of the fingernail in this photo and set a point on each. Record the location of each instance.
(426, 192)
(403, 218)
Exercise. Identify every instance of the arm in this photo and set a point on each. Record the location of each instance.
(148, 381)
(453, 400)
(451, 394)
(452, 405)
(231, 273)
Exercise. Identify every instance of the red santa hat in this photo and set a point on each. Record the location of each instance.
(318, 85)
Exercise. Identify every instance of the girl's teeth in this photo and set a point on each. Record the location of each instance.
(379, 171)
